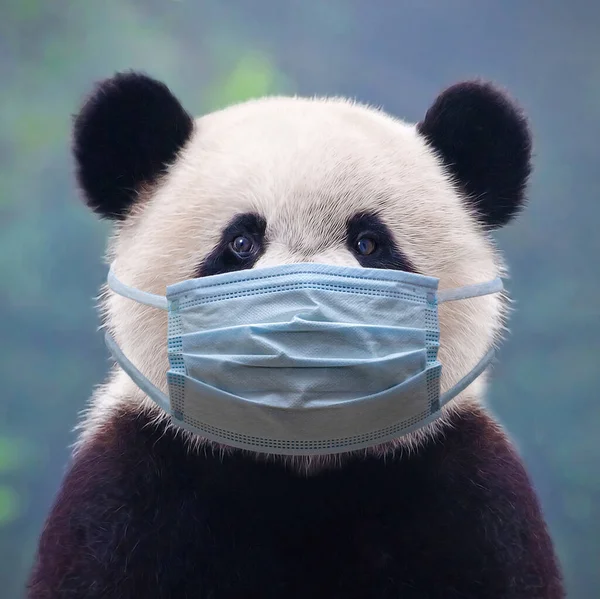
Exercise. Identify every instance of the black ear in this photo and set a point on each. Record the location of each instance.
(127, 132)
(484, 140)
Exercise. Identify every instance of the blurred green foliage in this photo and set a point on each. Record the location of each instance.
(212, 54)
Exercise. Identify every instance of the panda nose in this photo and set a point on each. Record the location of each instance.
(335, 256)
(277, 254)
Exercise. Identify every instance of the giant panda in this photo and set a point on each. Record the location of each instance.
(148, 510)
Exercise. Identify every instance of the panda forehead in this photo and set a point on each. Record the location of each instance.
(310, 138)
(308, 164)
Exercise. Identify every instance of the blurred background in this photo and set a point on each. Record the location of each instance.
(212, 53)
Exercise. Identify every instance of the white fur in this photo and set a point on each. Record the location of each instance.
(306, 165)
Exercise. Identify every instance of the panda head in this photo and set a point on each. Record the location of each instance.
(281, 180)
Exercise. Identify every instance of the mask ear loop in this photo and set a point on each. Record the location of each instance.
(148, 299)
(460, 293)
(468, 291)
(136, 376)
(143, 297)
(468, 378)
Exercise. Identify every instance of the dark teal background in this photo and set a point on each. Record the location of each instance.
(394, 54)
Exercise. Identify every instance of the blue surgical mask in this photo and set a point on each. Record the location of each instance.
(302, 359)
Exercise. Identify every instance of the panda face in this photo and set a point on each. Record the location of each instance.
(283, 180)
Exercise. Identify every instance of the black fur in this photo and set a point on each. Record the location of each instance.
(387, 254)
(139, 515)
(125, 136)
(223, 258)
(484, 140)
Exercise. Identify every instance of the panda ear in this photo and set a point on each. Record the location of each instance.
(128, 131)
(484, 140)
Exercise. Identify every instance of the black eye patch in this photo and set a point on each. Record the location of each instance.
(245, 232)
(370, 240)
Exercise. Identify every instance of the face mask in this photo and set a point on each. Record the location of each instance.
(302, 359)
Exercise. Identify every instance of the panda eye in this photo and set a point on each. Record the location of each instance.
(366, 246)
(242, 245)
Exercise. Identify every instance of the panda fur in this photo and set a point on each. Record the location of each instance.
(149, 511)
